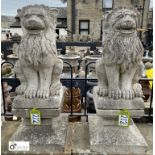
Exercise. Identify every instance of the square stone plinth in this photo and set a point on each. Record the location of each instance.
(53, 102)
(49, 108)
(115, 140)
(44, 139)
(106, 106)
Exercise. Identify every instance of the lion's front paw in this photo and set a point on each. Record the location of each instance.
(138, 90)
(115, 93)
(21, 89)
(43, 93)
(127, 94)
(55, 89)
(30, 92)
(102, 91)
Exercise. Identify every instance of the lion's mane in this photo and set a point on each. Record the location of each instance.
(33, 48)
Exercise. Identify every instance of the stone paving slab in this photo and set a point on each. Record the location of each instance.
(78, 139)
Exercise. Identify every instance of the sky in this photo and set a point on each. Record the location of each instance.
(9, 7)
(151, 3)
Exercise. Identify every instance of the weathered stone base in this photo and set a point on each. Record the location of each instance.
(106, 106)
(49, 108)
(106, 136)
(44, 139)
(53, 102)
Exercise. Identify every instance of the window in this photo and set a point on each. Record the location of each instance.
(84, 27)
(107, 4)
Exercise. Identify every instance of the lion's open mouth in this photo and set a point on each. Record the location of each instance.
(34, 25)
(34, 30)
(126, 28)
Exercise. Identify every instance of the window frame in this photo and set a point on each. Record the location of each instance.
(80, 29)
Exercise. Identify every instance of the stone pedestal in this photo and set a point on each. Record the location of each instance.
(106, 135)
(49, 108)
(45, 138)
(50, 135)
(109, 107)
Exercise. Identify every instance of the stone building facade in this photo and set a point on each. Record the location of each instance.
(150, 19)
(143, 8)
(85, 16)
(149, 34)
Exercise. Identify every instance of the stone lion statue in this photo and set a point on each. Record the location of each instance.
(38, 67)
(121, 65)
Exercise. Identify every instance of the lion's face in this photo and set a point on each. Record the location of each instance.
(124, 21)
(36, 19)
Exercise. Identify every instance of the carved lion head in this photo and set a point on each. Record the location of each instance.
(123, 20)
(37, 18)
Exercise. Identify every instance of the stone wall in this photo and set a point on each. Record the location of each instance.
(121, 3)
(145, 19)
(69, 15)
(86, 10)
(150, 18)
